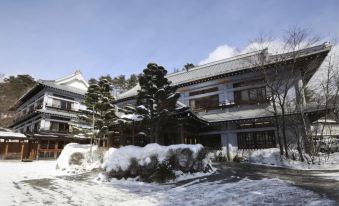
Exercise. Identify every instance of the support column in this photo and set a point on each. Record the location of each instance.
(38, 150)
(225, 143)
(56, 150)
(6, 149)
(22, 150)
(181, 134)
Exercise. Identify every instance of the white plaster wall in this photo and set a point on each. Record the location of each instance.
(76, 84)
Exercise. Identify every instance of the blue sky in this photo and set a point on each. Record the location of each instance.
(50, 39)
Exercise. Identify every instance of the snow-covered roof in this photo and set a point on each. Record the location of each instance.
(247, 112)
(9, 133)
(236, 115)
(226, 66)
(132, 117)
(53, 84)
(323, 120)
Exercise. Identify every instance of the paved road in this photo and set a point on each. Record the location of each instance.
(83, 190)
(307, 179)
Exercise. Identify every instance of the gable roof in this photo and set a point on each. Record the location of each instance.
(76, 76)
(229, 66)
(53, 84)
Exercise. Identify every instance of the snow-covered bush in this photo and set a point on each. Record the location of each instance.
(219, 155)
(155, 163)
(76, 158)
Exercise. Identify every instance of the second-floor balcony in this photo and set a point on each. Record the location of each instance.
(31, 111)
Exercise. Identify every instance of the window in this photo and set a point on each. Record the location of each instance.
(66, 105)
(254, 125)
(256, 140)
(250, 96)
(204, 103)
(214, 89)
(56, 103)
(208, 141)
(59, 127)
(62, 104)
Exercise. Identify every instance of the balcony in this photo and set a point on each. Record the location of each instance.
(19, 117)
(59, 107)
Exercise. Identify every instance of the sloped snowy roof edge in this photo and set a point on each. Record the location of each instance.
(225, 66)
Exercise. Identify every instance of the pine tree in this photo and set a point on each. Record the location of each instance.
(188, 66)
(158, 97)
(99, 101)
(132, 81)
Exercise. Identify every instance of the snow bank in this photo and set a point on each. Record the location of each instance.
(272, 157)
(76, 158)
(152, 161)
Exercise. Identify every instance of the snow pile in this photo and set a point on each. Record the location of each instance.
(156, 163)
(76, 158)
(272, 157)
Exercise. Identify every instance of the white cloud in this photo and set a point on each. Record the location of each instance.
(226, 51)
(221, 52)
(274, 47)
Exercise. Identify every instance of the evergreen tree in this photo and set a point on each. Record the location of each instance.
(188, 66)
(11, 89)
(158, 98)
(99, 101)
(132, 81)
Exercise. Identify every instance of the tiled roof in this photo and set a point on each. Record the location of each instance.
(261, 111)
(52, 84)
(237, 115)
(229, 65)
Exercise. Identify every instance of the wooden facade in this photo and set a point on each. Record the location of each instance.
(31, 148)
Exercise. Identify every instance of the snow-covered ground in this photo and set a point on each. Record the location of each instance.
(12, 172)
(271, 157)
(329, 175)
(38, 183)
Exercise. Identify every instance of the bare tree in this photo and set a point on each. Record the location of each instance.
(327, 101)
(281, 70)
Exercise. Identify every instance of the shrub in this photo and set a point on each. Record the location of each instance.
(76, 158)
(155, 163)
(163, 173)
(238, 159)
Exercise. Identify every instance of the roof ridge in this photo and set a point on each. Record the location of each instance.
(228, 59)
